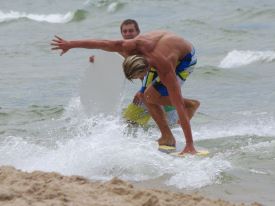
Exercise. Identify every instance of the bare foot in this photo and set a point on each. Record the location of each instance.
(167, 141)
(189, 148)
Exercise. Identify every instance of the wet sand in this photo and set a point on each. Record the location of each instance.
(43, 188)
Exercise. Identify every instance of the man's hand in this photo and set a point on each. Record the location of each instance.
(61, 44)
(138, 98)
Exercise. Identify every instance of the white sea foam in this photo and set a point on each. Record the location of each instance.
(237, 58)
(107, 153)
(194, 173)
(113, 7)
(258, 172)
(101, 148)
(50, 18)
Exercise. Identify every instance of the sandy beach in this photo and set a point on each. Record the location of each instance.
(42, 188)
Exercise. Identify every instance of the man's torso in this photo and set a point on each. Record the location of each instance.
(164, 43)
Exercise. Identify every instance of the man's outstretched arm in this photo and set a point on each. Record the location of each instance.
(107, 45)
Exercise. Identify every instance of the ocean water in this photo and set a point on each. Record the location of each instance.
(43, 125)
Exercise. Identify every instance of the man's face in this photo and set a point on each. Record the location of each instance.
(128, 31)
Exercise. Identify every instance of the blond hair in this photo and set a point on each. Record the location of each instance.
(133, 65)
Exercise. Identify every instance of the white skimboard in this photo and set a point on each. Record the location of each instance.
(102, 84)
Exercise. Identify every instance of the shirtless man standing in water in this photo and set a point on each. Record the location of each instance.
(172, 56)
(129, 29)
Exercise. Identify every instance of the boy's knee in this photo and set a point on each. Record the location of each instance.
(148, 97)
(196, 103)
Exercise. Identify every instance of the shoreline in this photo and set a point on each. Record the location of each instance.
(50, 188)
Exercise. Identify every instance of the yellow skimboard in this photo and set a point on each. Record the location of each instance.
(200, 153)
(138, 114)
(173, 151)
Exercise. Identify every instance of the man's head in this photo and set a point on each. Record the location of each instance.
(135, 67)
(129, 29)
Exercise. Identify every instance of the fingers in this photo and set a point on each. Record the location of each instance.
(59, 38)
(137, 101)
(58, 44)
(55, 40)
(56, 48)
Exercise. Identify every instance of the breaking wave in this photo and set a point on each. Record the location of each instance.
(77, 15)
(238, 58)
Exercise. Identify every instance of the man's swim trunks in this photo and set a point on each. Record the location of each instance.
(148, 79)
(183, 70)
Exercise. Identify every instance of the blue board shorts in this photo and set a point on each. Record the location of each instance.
(183, 70)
